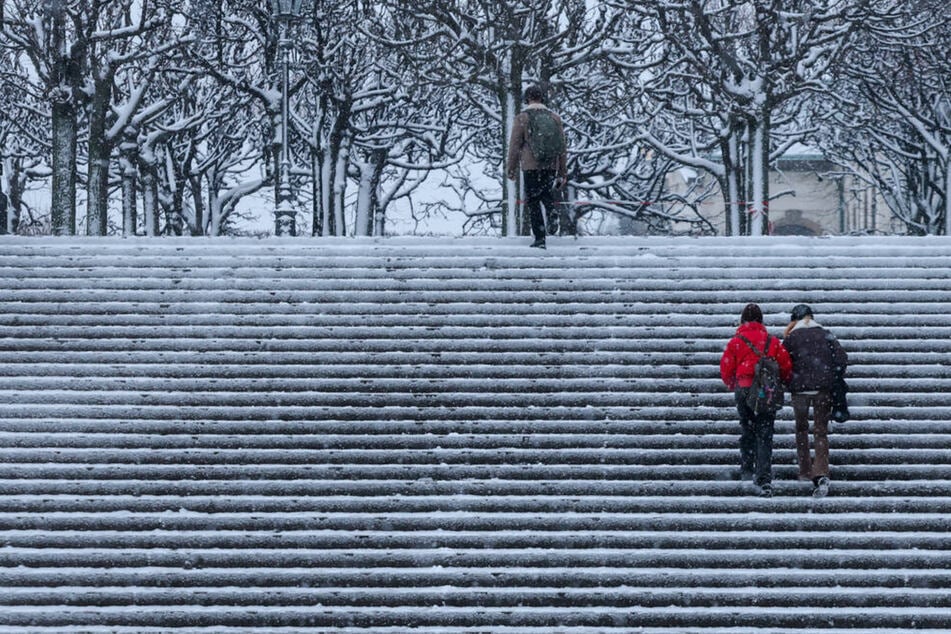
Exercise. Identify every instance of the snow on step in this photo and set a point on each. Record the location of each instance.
(459, 435)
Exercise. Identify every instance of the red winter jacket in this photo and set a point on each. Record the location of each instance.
(739, 361)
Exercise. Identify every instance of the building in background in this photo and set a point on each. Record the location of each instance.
(810, 196)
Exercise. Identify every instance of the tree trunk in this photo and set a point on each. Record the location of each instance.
(174, 207)
(64, 79)
(11, 191)
(198, 200)
(15, 188)
(130, 218)
(215, 213)
(946, 212)
(732, 184)
(63, 202)
(340, 187)
(510, 224)
(326, 199)
(150, 204)
(377, 207)
(100, 152)
(759, 181)
(377, 213)
(363, 218)
(317, 221)
(333, 164)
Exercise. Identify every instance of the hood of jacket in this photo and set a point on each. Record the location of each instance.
(805, 322)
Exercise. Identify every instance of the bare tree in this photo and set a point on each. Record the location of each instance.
(725, 74)
(487, 52)
(342, 82)
(612, 170)
(892, 126)
(24, 141)
(57, 53)
(176, 106)
(78, 50)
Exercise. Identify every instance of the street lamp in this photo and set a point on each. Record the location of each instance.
(285, 12)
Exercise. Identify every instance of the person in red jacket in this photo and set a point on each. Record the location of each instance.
(736, 369)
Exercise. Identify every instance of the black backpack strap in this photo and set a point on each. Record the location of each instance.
(754, 348)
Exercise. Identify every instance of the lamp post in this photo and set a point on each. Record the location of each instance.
(285, 12)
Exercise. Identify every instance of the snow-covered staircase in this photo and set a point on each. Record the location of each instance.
(464, 435)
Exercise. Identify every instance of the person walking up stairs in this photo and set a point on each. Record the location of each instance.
(538, 145)
(817, 359)
(737, 369)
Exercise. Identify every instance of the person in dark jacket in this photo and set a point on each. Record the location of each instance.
(737, 367)
(817, 358)
(539, 179)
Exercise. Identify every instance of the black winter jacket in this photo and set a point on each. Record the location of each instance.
(817, 358)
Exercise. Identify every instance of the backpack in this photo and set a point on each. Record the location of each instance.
(545, 136)
(766, 394)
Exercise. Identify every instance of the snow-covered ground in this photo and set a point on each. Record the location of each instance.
(459, 435)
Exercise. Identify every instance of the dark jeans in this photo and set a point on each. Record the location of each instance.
(756, 440)
(539, 190)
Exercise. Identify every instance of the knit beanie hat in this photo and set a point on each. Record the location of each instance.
(752, 312)
(800, 311)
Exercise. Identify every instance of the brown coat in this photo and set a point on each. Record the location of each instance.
(520, 148)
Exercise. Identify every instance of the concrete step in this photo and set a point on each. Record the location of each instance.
(699, 410)
(416, 439)
(512, 362)
(479, 617)
(686, 498)
(456, 471)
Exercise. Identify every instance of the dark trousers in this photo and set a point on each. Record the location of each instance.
(756, 440)
(539, 190)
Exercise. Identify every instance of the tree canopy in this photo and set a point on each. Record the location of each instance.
(159, 117)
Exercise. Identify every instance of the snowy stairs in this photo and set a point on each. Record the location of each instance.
(459, 435)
